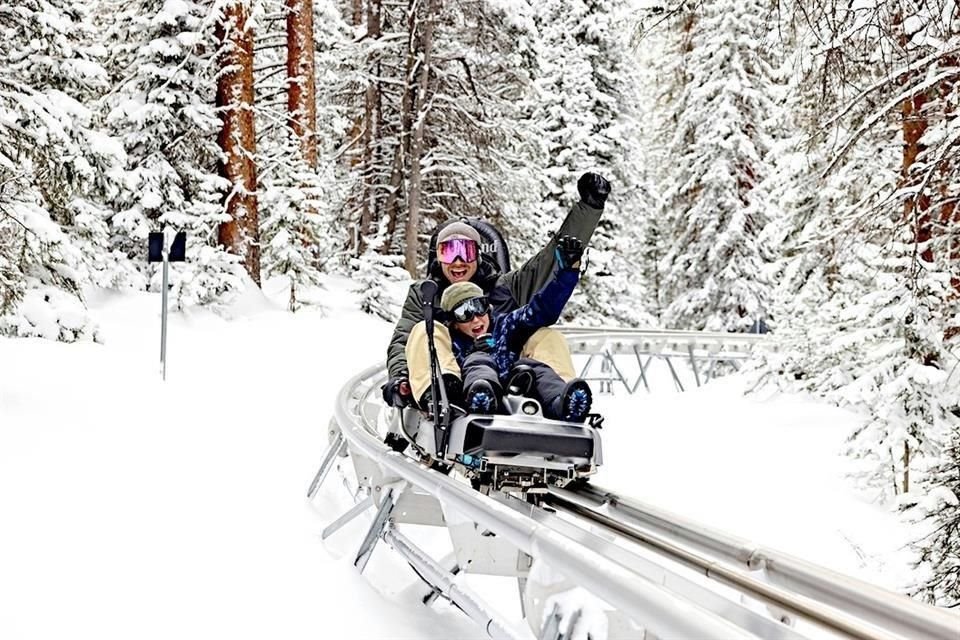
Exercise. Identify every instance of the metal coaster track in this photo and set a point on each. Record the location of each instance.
(663, 575)
(828, 598)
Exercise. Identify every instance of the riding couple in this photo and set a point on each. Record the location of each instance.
(495, 326)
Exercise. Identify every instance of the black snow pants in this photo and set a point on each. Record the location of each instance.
(548, 387)
(479, 365)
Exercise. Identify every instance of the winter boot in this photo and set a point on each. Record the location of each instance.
(482, 397)
(576, 400)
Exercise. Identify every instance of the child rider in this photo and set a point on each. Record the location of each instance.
(487, 346)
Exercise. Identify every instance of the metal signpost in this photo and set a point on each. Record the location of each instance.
(158, 252)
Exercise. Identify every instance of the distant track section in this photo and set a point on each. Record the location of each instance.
(624, 356)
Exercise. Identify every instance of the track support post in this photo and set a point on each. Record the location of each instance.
(336, 447)
(352, 513)
(376, 530)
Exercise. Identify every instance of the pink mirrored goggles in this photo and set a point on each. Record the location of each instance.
(463, 248)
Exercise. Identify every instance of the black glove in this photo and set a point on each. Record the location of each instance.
(397, 393)
(484, 343)
(593, 189)
(569, 251)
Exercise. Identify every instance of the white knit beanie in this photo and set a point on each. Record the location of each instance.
(461, 229)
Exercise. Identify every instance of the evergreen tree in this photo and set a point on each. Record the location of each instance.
(939, 549)
(295, 227)
(655, 73)
(436, 130)
(715, 202)
(586, 120)
(883, 278)
(818, 223)
(360, 81)
(55, 168)
(371, 84)
(162, 109)
(474, 162)
(892, 330)
(293, 168)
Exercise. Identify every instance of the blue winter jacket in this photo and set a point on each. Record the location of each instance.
(510, 331)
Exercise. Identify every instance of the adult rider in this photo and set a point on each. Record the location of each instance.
(505, 291)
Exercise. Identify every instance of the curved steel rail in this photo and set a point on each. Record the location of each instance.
(826, 597)
(666, 614)
(851, 607)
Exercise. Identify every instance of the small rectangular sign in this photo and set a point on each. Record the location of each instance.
(155, 246)
(178, 250)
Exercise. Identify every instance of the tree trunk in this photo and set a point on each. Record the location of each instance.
(370, 135)
(357, 12)
(301, 82)
(935, 221)
(949, 212)
(416, 145)
(916, 210)
(391, 205)
(241, 233)
(906, 467)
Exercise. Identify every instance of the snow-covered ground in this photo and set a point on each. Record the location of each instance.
(136, 508)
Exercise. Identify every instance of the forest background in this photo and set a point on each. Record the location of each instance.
(792, 161)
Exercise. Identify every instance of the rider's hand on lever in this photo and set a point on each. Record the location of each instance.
(397, 393)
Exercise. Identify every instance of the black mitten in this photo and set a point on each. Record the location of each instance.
(593, 189)
(484, 343)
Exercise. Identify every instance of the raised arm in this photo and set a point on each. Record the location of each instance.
(518, 287)
(543, 310)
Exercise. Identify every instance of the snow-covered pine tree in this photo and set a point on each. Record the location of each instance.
(295, 216)
(375, 272)
(362, 59)
(463, 114)
(162, 109)
(715, 204)
(893, 332)
(912, 298)
(55, 168)
(585, 116)
(513, 205)
(881, 338)
(371, 82)
(939, 548)
(817, 221)
(654, 72)
(296, 222)
(476, 160)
